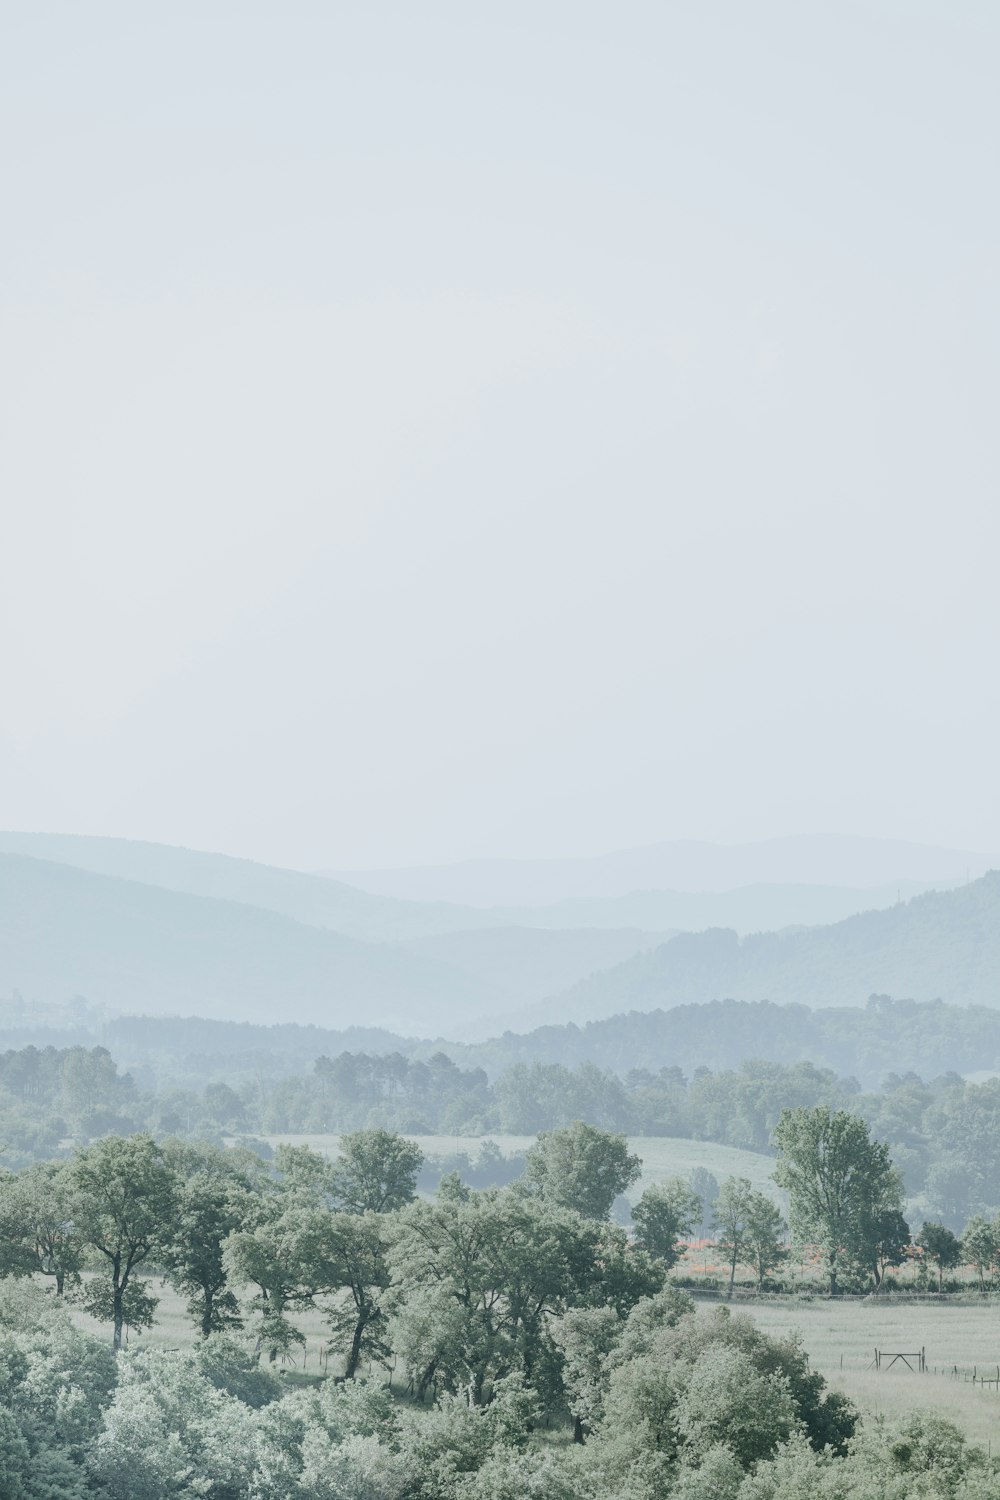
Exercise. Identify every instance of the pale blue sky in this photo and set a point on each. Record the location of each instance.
(446, 430)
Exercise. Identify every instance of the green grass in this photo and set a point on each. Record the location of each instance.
(662, 1156)
(175, 1329)
(840, 1338)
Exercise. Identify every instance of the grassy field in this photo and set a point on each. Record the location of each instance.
(662, 1156)
(841, 1338)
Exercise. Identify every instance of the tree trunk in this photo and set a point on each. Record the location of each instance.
(206, 1317)
(118, 1293)
(355, 1355)
(578, 1429)
(732, 1272)
(60, 1281)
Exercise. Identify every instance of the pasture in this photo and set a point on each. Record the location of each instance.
(662, 1156)
(840, 1338)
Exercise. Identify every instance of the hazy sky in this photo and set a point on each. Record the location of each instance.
(439, 430)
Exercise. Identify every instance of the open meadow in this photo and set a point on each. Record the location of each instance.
(841, 1337)
(662, 1156)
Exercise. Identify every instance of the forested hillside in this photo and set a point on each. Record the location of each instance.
(884, 1035)
(943, 944)
(192, 938)
(866, 1043)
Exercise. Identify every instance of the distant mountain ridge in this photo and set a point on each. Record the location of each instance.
(314, 899)
(687, 865)
(940, 945)
(131, 946)
(322, 901)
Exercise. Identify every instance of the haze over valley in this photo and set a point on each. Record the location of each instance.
(151, 929)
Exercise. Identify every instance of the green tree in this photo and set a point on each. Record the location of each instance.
(729, 1401)
(766, 1230)
(479, 1281)
(582, 1168)
(53, 1239)
(942, 1247)
(666, 1213)
(585, 1337)
(216, 1199)
(289, 1257)
(835, 1175)
(980, 1246)
(730, 1220)
(376, 1171)
(358, 1249)
(124, 1198)
(887, 1243)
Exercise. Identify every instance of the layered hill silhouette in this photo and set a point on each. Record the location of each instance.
(940, 945)
(136, 947)
(173, 931)
(132, 946)
(323, 901)
(684, 865)
(313, 899)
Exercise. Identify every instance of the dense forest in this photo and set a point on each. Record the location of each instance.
(944, 1133)
(866, 1043)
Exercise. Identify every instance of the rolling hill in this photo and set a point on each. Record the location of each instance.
(682, 865)
(323, 901)
(943, 944)
(136, 947)
(527, 964)
(313, 899)
(129, 945)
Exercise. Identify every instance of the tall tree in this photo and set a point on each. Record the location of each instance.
(582, 1168)
(981, 1246)
(731, 1221)
(220, 1193)
(358, 1248)
(834, 1173)
(375, 1172)
(765, 1230)
(479, 1279)
(288, 1256)
(124, 1199)
(51, 1238)
(942, 1247)
(667, 1213)
(886, 1239)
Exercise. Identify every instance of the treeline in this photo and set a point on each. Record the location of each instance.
(865, 1043)
(944, 1134)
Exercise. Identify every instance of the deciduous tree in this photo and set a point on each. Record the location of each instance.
(582, 1168)
(124, 1198)
(666, 1213)
(835, 1175)
(376, 1171)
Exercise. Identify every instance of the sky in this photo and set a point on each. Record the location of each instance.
(453, 430)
